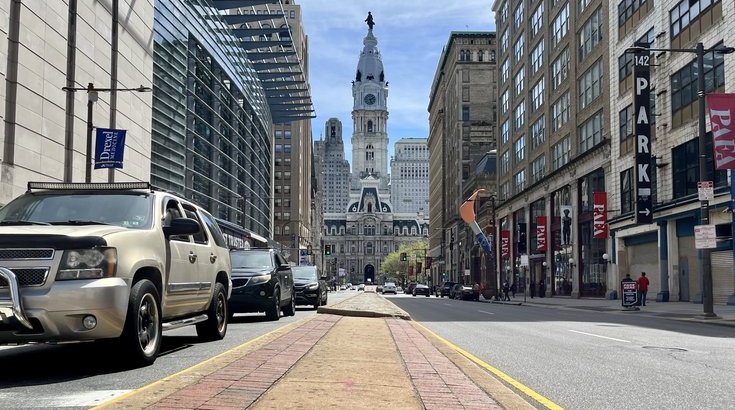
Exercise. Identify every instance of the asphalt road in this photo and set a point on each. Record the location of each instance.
(591, 360)
(83, 375)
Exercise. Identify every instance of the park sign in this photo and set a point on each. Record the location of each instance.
(721, 107)
(642, 117)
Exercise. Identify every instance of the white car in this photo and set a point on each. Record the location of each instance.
(390, 288)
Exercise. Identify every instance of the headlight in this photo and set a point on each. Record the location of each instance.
(313, 286)
(259, 279)
(88, 264)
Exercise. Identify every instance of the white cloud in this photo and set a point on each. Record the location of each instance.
(411, 35)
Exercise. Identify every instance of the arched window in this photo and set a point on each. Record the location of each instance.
(370, 126)
(413, 231)
(278, 230)
(461, 55)
(369, 248)
(480, 55)
(284, 34)
(286, 229)
(265, 37)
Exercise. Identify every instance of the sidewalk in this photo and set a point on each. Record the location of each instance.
(333, 360)
(685, 311)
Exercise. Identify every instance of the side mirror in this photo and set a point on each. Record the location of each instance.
(182, 226)
(284, 266)
(323, 278)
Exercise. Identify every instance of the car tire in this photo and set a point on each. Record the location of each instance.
(142, 332)
(427, 295)
(215, 327)
(274, 310)
(290, 309)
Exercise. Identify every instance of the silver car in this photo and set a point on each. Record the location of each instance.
(390, 287)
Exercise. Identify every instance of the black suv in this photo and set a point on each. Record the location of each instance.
(310, 287)
(446, 288)
(262, 281)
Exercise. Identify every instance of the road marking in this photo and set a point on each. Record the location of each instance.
(513, 382)
(79, 399)
(447, 304)
(487, 313)
(601, 337)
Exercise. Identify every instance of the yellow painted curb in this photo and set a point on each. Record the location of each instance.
(513, 382)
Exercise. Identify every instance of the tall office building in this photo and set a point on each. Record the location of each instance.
(666, 249)
(409, 174)
(554, 147)
(462, 131)
(334, 170)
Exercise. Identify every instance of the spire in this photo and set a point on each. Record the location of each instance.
(370, 66)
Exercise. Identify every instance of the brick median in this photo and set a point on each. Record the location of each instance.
(240, 383)
(439, 382)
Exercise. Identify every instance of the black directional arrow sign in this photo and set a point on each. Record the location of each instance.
(642, 116)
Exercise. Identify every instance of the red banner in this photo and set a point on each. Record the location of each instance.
(720, 108)
(541, 238)
(505, 244)
(600, 215)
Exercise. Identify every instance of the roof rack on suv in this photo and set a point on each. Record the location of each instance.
(88, 185)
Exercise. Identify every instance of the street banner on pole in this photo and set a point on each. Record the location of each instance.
(600, 215)
(720, 108)
(109, 148)
(505, 243)
(541, 239)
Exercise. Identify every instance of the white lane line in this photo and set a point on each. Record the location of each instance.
(487, 313)
(447, 304)
(602, 337)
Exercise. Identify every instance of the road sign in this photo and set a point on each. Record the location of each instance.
(706, 190)
(524, 261)
(705, 237)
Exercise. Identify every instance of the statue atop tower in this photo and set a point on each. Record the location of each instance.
(369, 20)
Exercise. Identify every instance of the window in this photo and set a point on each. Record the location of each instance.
(504, 41)
(626, 191)
(687, 12)
(538, 167)
(582, 4)
(465, 94)
(520, 115)
(465, 76)
(560, 26)
(537, 56)
(520, 181)
(560, 69)
(684, 81)
(626, 8)
(505, 102)
(503, 14)
(685, 168)
(591, 34)
(590, 133)
(519, 80)
(465, 113)
(537, 19)
(518, 49)
(537, 132)
(520, 148)
(625, 61)
(504, 191)
(625, 118)
(560, 112)
(537, 95)
(518, 16)
(560, 153)
(504, 132)
(504, 162)
(590, 85)
(505, 71)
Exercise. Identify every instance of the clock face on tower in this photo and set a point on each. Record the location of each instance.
(369, 99)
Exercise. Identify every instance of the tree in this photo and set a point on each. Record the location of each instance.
(392, 263)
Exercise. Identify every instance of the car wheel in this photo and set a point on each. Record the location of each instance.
(290, 309)
(215, 327)
(141, 335)
(274, 310)
(427, 295)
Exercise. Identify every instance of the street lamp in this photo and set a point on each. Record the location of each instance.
(704, 257)
(92, 97)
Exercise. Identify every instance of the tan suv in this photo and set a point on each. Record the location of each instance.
(110, 261)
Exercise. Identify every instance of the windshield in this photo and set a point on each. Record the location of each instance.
(251, 259)
(304, 272)
(129, 210)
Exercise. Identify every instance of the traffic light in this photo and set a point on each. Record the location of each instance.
(404, 258)
(327, 249)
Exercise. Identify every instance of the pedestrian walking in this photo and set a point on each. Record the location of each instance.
(541, 288)
(506, 291)
(513, 289)
(532, 289)
(643, 283)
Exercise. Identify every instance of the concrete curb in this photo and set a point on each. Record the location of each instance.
(360, 313)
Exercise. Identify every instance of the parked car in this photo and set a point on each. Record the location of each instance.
(262, 281)
(464, 292)
(343, 287)
(310, 288)
(409, 288)
(389, 287)
(446, 288)
(361, 286)
(421, 290)
(379, 289)
(399, 289)
(110, 261)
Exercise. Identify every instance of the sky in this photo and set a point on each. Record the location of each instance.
(411, 35)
